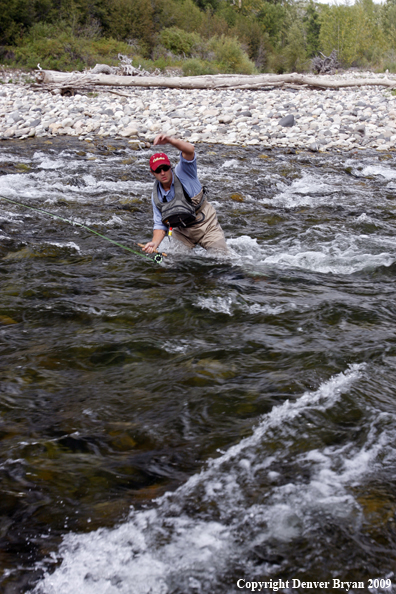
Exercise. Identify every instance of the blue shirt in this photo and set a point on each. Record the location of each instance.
(186, 171)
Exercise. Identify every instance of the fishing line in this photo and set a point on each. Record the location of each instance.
(157, 258)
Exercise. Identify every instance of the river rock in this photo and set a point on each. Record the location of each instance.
(132, 131)
(225, 119)
(287, 121)
(216, 116)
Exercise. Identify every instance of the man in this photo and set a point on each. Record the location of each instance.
(179, 201)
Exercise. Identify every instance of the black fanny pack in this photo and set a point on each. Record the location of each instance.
(178, 214)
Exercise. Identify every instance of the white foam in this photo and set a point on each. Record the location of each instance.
(305, 191)
(48, 163)
(385, 172)
(318, 250)
(168, 544)
(270, 310)
(216, 304)
(65, 244)
(115, 221)
(339, 262)
(231, 163)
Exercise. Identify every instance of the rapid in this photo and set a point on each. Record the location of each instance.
(173, 428)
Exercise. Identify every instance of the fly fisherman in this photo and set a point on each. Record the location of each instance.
(179, 201)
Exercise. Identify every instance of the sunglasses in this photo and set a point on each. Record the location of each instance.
(162, 168)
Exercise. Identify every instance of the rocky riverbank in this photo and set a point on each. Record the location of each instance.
(293, 118)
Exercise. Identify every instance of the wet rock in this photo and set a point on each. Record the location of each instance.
(287, 121)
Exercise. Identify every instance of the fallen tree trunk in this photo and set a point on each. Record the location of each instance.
(60, 80)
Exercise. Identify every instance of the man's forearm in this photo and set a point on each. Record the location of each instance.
(183, 146)
(158, 236)
(187, 149)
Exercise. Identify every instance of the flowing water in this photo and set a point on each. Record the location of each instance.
(175, 428)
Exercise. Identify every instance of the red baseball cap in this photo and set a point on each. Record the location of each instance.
(157, 160)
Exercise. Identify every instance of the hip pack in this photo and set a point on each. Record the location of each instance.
(182, 210)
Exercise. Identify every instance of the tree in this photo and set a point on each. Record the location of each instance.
(312, 27)
(346, 29)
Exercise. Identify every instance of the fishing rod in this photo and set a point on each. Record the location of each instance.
(157, 258)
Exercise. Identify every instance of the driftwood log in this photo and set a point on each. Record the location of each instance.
(53, 80)
(325, 64)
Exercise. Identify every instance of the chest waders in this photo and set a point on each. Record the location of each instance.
(182, 210)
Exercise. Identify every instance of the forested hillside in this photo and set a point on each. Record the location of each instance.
(196, 36)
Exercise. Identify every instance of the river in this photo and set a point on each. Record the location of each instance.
(174, 428)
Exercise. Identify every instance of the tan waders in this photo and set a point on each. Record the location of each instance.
(207, 234)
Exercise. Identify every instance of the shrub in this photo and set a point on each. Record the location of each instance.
(127, 19)
(295, 53)
(213, 24)
(277, 63)
(229, 55)
(178, 41)
(56, 48)
(252, 35)
(195, 67)
(184, 15)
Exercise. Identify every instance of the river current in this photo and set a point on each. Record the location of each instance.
(174, 428)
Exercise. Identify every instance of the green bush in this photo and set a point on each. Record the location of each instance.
(252, 35)
(182, 14)
(213, 24)
(229, 56)
(277, 63)
(195, 67)
(56, 49)
(126, 19)
(178, 41)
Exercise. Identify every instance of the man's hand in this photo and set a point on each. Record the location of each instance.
(151, 246)
(186, 148)
(162, 139)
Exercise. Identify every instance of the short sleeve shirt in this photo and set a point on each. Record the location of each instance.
(186, 171)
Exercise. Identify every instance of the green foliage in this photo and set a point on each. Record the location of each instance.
(130, 19)
(213, 25)
(312, 27)
(272, 18)
(229, 55)
(277, 63)
(295, 56)
(16, 16)
(178, 41)
(195, 67)
(253, 37)
(204, 4)
(198, 36)
(228, 13)
(56, 48)
(182, 14)
(388, 23)
(351, 30)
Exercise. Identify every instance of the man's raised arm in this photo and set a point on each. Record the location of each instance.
(187, 149)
